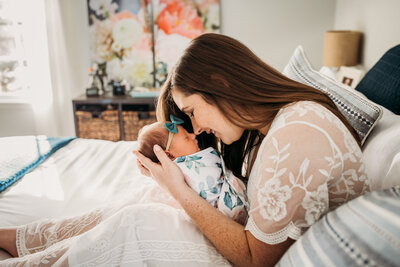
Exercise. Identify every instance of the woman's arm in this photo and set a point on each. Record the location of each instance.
(229, 237)
(239, 246)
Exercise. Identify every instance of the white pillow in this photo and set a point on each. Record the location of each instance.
(382, 152)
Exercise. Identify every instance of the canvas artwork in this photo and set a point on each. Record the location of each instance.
(121, 34)
(138, 41)
(176, 23)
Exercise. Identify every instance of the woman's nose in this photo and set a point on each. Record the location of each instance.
(196, 129)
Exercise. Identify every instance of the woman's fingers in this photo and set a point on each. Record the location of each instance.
(146, 162)
(143, 169)
(161, 155)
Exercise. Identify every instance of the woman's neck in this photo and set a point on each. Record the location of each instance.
(264, 130)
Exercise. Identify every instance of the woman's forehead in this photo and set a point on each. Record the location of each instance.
(184, 101)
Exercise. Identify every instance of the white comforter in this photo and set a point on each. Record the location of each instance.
(87, 174)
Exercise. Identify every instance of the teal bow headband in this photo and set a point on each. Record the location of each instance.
(172, 128)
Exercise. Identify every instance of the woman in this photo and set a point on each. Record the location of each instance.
(298, 155)
(288, 141)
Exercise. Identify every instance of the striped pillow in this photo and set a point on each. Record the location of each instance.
(364, 231)
(358, 110)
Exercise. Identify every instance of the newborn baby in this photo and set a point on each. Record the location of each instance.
(204, 170)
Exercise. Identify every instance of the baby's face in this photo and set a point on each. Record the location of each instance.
(183, 143)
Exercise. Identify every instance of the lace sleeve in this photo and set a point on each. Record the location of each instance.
(300, 163)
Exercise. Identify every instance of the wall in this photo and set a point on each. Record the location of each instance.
(16, 119)
(379, 21)
(273, 29)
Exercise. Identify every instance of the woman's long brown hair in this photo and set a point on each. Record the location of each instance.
(247, 91)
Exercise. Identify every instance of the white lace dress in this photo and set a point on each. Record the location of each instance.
(307, 164)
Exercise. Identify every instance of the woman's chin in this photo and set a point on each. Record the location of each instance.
(226, 142)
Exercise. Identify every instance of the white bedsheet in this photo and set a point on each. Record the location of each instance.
(77, 178)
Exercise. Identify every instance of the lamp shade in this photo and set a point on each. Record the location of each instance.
(341, 48)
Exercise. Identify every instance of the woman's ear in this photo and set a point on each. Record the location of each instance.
(170, 155)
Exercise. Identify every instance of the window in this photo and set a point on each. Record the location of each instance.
(13, 57)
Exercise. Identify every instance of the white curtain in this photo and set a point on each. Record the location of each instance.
(64, 75)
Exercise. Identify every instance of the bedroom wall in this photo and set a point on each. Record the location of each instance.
(273, 29)
(379, 21)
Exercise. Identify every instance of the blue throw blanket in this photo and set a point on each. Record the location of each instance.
(21, 154)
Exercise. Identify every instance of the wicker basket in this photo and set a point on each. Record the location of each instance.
(103, 126)
(134, 121)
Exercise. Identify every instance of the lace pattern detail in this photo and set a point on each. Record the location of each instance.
(280, 236)
(161, 251)
(128, 235)
(38, 236)
(20, 241)
(52, 256)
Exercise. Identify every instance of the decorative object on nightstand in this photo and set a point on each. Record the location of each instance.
(92, 89)
(118, 88)
(350, 76)
(144, 92)
(342, 56)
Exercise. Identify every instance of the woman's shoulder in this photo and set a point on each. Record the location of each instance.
(306, 112)
(308, 121)
(302, 108)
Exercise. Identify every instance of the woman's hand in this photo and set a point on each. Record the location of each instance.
(167, 174)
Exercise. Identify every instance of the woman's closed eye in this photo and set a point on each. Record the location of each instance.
(191, 114)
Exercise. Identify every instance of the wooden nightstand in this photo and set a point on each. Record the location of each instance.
(112, 117)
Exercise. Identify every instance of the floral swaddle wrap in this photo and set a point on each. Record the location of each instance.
(205, 173)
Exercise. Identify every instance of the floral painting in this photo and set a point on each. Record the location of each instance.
(176, 23)
(121, 40)
(138, 41)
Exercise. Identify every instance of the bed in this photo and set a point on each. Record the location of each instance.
(86, 173)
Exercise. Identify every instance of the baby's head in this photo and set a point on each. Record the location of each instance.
(182, 143)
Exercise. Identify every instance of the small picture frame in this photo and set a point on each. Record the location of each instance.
(349, 76)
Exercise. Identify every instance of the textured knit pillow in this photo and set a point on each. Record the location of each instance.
(359, 111)
(382, 83)
(362, 232)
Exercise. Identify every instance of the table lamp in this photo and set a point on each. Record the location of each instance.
(341, 48)
(341, 51)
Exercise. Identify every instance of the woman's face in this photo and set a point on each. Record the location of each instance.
(206, 117)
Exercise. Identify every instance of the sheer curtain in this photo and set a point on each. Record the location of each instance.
(63, 65)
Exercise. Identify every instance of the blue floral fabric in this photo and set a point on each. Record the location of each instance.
(205, 173)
